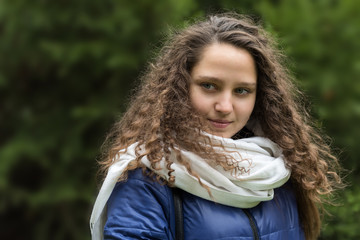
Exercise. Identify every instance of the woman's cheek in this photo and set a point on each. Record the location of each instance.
(201, 103)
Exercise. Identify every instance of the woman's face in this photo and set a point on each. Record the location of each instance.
(223, 88)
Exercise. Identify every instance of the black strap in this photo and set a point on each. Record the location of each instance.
(179, 221)
(252, 224)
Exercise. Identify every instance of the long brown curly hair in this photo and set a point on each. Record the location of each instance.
(161, 118)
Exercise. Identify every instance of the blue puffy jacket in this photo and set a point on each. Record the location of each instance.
(143, 209)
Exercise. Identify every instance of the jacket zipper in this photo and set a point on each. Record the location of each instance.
(252, 224)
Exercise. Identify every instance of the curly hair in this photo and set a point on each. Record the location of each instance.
(161, 118)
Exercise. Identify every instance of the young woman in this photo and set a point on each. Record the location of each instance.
(216, 116)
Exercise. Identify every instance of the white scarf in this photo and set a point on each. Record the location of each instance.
(260, 160)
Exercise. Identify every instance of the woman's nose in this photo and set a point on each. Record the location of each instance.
(224, 104)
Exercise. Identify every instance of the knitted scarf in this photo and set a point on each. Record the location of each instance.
(260, 167)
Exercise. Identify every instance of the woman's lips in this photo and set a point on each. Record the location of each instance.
(217, 123)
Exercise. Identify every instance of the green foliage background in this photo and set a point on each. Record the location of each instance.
(66, 70)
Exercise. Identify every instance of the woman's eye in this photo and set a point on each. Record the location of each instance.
(241, 91)
(208, 86)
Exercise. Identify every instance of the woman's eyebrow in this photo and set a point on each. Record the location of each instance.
(218, 80)
(209, 78)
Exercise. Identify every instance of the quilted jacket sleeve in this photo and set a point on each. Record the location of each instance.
(140, 209)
